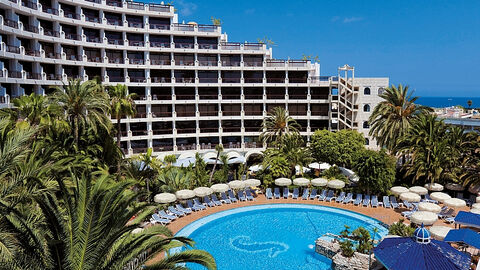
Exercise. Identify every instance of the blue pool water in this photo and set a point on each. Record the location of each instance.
(275, 236)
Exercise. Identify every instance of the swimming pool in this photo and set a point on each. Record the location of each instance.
(272, 236)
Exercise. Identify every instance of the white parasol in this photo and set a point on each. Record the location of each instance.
(410, 197)
(455, 203)
(423, 217)
(283, 182)
(439, 232)
(301, 182)
(397, 190)
(430, 207)
(439, 196)
(203, 191)
(252, 182)
(164, 198)
(220, 187)
(185, 194)
(236, 184)
(434, 187)
(419, 190)
(319, 182)
(476, 206)
(336, 184)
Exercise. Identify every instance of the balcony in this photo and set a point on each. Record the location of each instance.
(186, 130)
(94, 1)
(117, 79)
(135, 24)
(160, 26)
(114, 22)
(231, 80)
(252, 129)
(253, 64)
(30, 52)
(138, 79)
(162, 131)
(253, 46)
(275, 63)
(208, 113)
(159, 8)
(297, 63)
(184, 45)
(253, 80)
(33, 76)
(275, 80)
(137, 43)
(139, 132)
(253, 96)
(139, 150)
(12, 49)
(54, 77)
(94, 59)
(92, 19)
(136, 61)
(71, 15)
(251, 113)
(159, 44)
(136, 6)
(230, 46)
(14, 74)
(209, 130)
(50, 10)
(30, 4)
(156, 79)
(162, 114)
(184, 62)
(73, 36)
(207, 28)
(115, 41)
(232, 145)
(252, 144)
(207, 46)
(208, 80)
(185, 80)
(183, 27)
(297, 80)
(163, 148)
(231, 113)
(10, 23)
(93, 39)
(114, 3)
(52, 55)
(160, 62)
(208, 63)
(183, 147)
(51, 32)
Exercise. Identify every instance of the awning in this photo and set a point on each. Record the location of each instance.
(468, 219)
(466, 236)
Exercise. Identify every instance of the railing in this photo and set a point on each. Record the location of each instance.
(137, 43)
(247, 112)
(232, 129)
(138, 96)
(208, 63)
(93, 39)
(230, 96)
(140, 115)
(92, 19)
(185, 114)
(163, 148)
(139, 150)
(32, 52)
(71, 15)
(94, 1)
(115, 60)
(135, 24)
(230, 46)
(73, 36)
(208, 113)
(159, 44)
(161, 97)
(51, 32)
(160, 8)
(161, 114)
(207, 46)
(252, 129)
(136, 6)
(231, 113)
(317, 79)
(162, 131)
(114, 3)
(203, 96)
(253, 46)
(275, 63)
(231, 80)
(13, 49)
(324, 113)
(95, 59)
(30, 4)
(160, 62)
(33, 76)
(50, 10)
(54, 77)
(10, 23)
(183, 27)
(136, 61)
(207, 28)
(183, 147)
(297, 63)
(184, 63)
(160, 26)
(321, 96)
(116, 79)
(298, 113)
(231, 145)
(230, 63)
(208, 130)
(208, 80)
(250, 96)
(252, 144)
(208, 146)
(297, 96)
(156, 79)
(253, 80)
(186, 130)
(139, 132)
(115, 41)
(253, 64)
(114, 22)
(275, 96)
(275, 80)
(14, 74)
(13, 1)
(185, 97)
(184, 45)
(138, 79)
(297, 80)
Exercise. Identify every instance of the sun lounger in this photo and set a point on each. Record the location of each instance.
(450, 220)
(348, 198)
(231, 196)
(313, 194)
(407, 204)
(241, 196)
(192, 206)
(295, 193)
(322, 195)
(249, 195)
(393, 202)
(196, 202)
(386, 202)
(181, 208)
(286, 192)
(374, 201)
(207, 200)
(428, 199)
(330, 196)
(225, 199)
(268, 194)
(176, 211)
(157, 219)
(366, 201)
(305, 194)
(163, 214)
(340, 198)
(358, 200)
(215, 200)
(276, 193)
(407, 214)
(446, 214)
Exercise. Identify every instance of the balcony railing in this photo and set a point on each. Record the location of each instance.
(162, 114)
(93, 39)
(92, 19)
(207, 28)
(183, 147)
(163, 148)
(317, 79)
(231, 113)
(324, 113)
(52, 55)
(114, 3)
(30, 4)
(227, 63)
(161, 97)
(160, 26)
(297, 63)
(252, 129)
(14, 74)
(232, 129)
(230, 46)
(208, 129)
(160, 8)
(231, 80)
(184, 63)
(135, 24)
(297, 80)
(139, 150)
(139, 132)
(33, 76)
(136, 61)
(184, 45)
(183, 27)
(157, 79)
(73, 36)
(162, 131)
(137, 43)
(208, 113)
(13, 49)
(253, 80)
(32, 52)
(50, 10)
(253, 46)
(185, 80)
(297, 96)
(54, 77)
(186, 130)
(160, 62)
(71, 15)
(117, 79)
(207, 96)
(115, 60)
(114, 22)
(252, 144)
(275, 63)
(115, 41)
(253, 64)
(252, 96)
(51, 32)
(207, 46)
(250, 113)
(138, 79)
(275, 80)
(10, 23)
(275, 96)
(208, 80)
(186, 114)
(185, 97)
(227, 96)
(208, 63)
(135, 5)
(159, 44)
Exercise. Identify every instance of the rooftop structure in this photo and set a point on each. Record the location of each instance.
(195, 88)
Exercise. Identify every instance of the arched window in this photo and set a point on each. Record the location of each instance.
(381, 90)
(366, 91)
(366, 108)
(367, 141)
(365, 124)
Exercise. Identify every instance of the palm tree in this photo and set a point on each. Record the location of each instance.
(34, 108)
(392, 118)
(85, 105)
(121, 104)
(276, 125)
(219, 150)
(146, 168)
(469, 103)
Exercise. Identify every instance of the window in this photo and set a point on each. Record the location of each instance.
(365, 124)
(367, 141)
(366, 108)
(381, 90)
(366, 91)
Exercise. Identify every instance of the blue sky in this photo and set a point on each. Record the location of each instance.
(434, 46)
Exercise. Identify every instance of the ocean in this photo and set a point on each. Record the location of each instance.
(440, 102)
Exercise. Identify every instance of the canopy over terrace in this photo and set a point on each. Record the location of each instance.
(466, 236)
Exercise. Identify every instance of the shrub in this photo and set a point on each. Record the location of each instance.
(347, 248)
(400, 229)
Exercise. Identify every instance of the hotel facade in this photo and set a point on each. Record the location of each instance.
(195, 88)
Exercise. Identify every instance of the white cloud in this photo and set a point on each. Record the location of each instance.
(250, 11)
(335, 18)
(185, 8)
(352, 19)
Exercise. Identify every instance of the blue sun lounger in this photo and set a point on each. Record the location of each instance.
(231, 196)
(393, 201)
(428, 199)
(268, 194)
(215, 200)
(313, 194)
(386, 202)
(175, 211)
(286, 192)
(276, 193)
(157, 219)
(197, 203)
(295, 193)
(207, 200)
(366, 201)
(192, 206)
(340, 198)
(407, 204)
(358, 200)
(249, 195)
(374, 201)
(330, 196)
(225, 199)
(163, 214)
(181, 208)
(305, 194)
(322, 195)
(348, 198)
(241, 196)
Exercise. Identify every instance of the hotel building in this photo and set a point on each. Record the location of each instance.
(195, 88)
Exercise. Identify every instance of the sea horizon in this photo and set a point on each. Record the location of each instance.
(441, 102)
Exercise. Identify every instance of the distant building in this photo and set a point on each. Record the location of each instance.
(457, 116)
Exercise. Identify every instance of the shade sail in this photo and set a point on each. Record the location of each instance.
(236, 184)
(423, 217)
(319, 182)
(319, 166)
(164, 198)
(203, 191)
(301, 182)
(455, 203)
(434, 187)
(283, 182)
(220, 187)
(185, 194)
(454, 187)
(466, 236)
(430, 207)
(439, 232)
(336, 184)
(397, 190)
(419, 190)
(468, 219)
(440, 196)
(410, 197)
(252, 182)
(405, 253)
